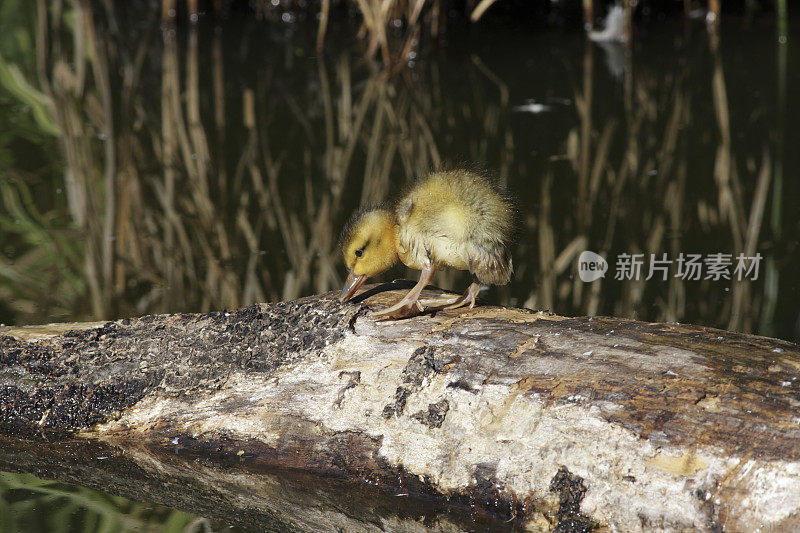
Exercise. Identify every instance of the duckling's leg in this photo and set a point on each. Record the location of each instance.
(468, 298)
(409, 306)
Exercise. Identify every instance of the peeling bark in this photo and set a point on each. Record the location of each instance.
(490, 418)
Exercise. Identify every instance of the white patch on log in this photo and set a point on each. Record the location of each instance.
(525, 437)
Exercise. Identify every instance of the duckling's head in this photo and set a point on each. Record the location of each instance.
(368, 247)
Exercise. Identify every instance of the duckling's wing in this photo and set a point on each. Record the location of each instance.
(490, 224)
(432, 231)
(460, 220)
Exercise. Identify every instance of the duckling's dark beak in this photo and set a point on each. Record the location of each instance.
(351, 286)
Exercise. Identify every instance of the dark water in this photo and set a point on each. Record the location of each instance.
(149, 169)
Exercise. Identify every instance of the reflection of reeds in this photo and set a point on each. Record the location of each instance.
(656, 171)
(380, 20)
(588, 14)
(92, 206)
(766, 325)
(714, 10)
(242, 202)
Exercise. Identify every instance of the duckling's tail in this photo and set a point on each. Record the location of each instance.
(492, 265)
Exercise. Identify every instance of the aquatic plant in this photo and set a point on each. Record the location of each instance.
(28, 503)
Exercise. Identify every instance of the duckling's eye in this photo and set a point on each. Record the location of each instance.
(359, 252)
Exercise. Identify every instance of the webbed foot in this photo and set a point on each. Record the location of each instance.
(405, 308)
(410, 305)
(466, 299)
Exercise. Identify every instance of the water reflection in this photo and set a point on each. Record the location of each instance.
(236, 492)
(209, 167)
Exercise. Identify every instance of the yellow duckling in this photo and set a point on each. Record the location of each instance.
(455, 219)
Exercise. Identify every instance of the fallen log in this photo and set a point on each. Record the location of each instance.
(311, 415)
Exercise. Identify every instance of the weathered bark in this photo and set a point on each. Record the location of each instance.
(533, 418)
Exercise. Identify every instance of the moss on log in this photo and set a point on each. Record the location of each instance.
(509, 417)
